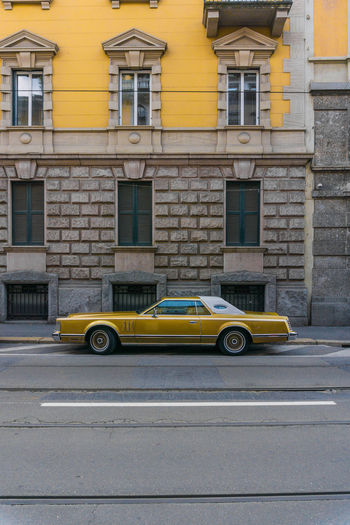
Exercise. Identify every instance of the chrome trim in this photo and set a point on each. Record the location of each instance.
(292, 335)
(157, 335)
(270, 335)
(56, 336)
(72, 335)
(235, 326)
(167, 344)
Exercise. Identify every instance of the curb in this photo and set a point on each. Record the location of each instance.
(304, 341)
(38, 340)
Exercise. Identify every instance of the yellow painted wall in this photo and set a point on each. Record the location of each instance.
(80, 69)
(330, 28)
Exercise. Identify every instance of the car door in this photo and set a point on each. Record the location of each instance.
(172, 321)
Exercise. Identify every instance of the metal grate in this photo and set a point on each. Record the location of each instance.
(27, 301)
(245, 296)
(130, 297)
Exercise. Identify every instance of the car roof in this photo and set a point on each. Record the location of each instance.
(217, 305)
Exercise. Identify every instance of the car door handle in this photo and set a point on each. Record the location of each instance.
(193, 322)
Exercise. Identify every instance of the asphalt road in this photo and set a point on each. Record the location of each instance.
(180, 436)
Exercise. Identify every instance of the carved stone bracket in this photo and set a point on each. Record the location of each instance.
(244, 169)
(8, 4)
(152, 3)
(134, 169)
(26, 169)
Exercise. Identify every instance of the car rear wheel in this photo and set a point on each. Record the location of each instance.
(102, 341)
(233, 342)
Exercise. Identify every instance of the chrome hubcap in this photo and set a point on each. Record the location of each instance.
(234, 341)
(99, 341)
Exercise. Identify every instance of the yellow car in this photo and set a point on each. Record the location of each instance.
(175, 321)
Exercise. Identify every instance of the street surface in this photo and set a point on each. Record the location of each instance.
(182, 436)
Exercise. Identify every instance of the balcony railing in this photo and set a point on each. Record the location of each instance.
(270, 13)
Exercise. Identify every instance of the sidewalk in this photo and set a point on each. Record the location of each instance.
(40, 332)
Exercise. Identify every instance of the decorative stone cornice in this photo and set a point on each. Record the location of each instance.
(26, 42)
(135, 48)
(244, 47)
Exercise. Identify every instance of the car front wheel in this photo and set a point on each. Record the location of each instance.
(233, 342)
(102, 341)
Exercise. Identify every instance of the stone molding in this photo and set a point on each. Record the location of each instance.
(244, 48)
(26, 51)
(135, 277)
(152, 3)
(25, 249)
(30, 277)
(134, 49)
(107, 143)
(244, 277)
(8, 4)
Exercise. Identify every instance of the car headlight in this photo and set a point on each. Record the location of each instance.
(58, 326)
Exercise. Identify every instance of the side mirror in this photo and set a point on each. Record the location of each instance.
(155, 313)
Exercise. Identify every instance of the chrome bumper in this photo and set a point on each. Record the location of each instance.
(56, 336)
(292, 335)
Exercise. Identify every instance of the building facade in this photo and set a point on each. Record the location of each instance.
(150, 149)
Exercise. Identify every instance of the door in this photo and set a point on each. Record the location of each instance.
(173, 321)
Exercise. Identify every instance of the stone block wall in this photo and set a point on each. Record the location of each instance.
(189, 222)
(189, 219)
(331, 220)
(80, 227)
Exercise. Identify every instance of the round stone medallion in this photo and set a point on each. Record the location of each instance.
(134, 138)
(244, 137)
(25, 138)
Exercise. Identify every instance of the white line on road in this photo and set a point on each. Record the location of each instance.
(80, 404)
(28, 347)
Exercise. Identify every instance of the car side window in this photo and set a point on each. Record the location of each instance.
(174, 307)
(201, 309)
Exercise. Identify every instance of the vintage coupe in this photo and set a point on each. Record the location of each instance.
(175, 321)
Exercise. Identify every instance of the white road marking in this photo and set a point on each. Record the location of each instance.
(27, 347)
(80, 404)
(340, 353)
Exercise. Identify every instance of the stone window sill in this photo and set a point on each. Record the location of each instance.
(134, 249)
(244, 249)
(25, 249)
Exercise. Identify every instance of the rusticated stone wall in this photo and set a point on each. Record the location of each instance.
(189, 222)
(80, 222)
(189, 219)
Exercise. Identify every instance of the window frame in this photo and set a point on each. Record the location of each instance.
(15, 74)
(135, 94)
(242, 92)
(28, 212)
(135, 213)
(242, 214)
